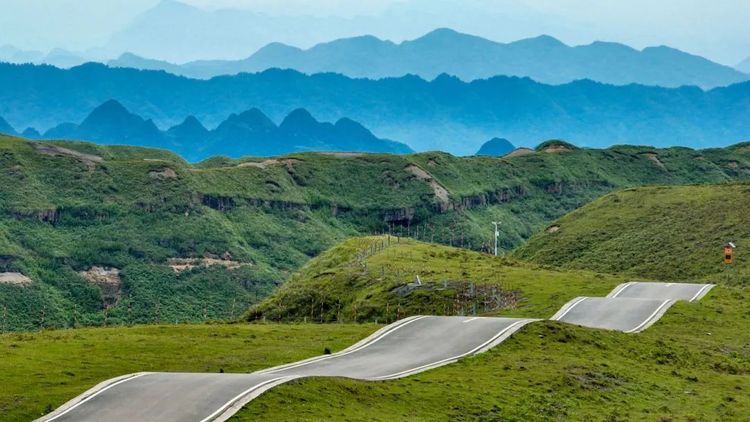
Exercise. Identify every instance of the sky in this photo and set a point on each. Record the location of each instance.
(718, 29)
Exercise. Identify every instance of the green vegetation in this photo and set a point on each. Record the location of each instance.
(382, 279)
(670, 233)
(692, 365)
(71, 207)
(43, 370)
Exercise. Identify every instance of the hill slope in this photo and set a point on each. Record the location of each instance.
(444, 114)
(673, 233)
(109, 234)
(387, 278)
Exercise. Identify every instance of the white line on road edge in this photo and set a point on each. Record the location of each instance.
(454, 358)
(336, 355)
(114, 384)
(650, 320)
(702, 292)
(356, 346)
(470, 319)
(619, 289)
(219, 411)
(567, 308)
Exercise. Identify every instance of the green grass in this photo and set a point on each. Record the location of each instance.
(671, 233)
(692, 365)
(60, 215)
(42, 370)
(358, 280)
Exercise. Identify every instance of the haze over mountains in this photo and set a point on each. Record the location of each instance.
(544, 59)
(444, 114)
(250, 133)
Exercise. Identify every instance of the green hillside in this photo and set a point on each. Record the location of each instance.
(670, 233)
(93, 235)
(382, 279)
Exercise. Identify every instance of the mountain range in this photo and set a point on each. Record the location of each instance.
(250, 133)
(443, 114)
(544, 59)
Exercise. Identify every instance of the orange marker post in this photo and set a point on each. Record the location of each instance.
(728, 252)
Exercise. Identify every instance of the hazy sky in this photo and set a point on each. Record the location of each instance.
(718, 29)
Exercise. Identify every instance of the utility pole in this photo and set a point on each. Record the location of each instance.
(497, 233)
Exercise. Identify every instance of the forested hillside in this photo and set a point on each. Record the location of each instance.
(107, 234)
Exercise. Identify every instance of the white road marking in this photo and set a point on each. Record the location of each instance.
(239, 396)
(469, 320)
(451, 359)
(335, 355)
(621, 288)
(707, 286)
(669, 284)
(572, 305)
(94, 395)
(650, 317)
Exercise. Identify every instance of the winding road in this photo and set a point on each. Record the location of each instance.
(403, 348)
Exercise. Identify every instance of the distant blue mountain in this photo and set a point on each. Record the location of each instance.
(544, 59)
(6, 128)
(744, 66)
(495, 147)
(444, 114)
(250, 133)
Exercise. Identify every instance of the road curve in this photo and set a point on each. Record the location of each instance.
(403, 348)
(406, 347)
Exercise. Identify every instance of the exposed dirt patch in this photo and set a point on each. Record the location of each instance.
(184, 264)
(654, 157)
(288, 162)
(441, 193)
(89, 160)
(553, 229)
(556, 148)
(431, 163)
(165, 173)
(733, 164)
(700, 158)
(518, 152)
(343, 154)
(108, 280)
(14, 278)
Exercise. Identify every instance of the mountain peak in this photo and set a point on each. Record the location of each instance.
(190, 124)
(299, 118)
(252, 118)
(544, 40)
(110, 107)
(495, 147)
(6, 128)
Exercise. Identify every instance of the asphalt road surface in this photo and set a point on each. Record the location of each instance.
(403, 348)
(406, 347)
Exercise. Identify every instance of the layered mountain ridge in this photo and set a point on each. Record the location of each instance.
(250, 133)
(544, 59)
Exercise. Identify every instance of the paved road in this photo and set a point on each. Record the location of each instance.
(630, 307)
(406, 347)
(674, 291)
(403, 348)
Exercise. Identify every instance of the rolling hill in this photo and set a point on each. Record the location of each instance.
(444, 114)
(544, 59)
(94, 235)
(673, 233)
